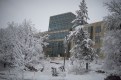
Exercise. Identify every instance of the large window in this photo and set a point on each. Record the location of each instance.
(57, 48)
(90, 30)
(98, 29)
(60, 35)
(97, 39)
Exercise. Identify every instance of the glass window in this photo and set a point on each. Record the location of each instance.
(89, 29)
(98, 29)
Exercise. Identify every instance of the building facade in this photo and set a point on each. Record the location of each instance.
(96, 33)
(59, 27)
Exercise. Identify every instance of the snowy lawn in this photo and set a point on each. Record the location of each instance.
(47, 73)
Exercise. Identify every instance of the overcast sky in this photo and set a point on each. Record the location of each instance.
(39, 11)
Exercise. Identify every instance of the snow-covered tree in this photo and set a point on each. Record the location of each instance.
(112, 38)
(21, 45)
(7, 45)
(82, 15)
(83, 48)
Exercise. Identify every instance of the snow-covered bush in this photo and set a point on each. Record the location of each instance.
(113, 77)
(75, 67)
(112, 48)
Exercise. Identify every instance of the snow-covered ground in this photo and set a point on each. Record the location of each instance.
(47, 73)
(65, 76)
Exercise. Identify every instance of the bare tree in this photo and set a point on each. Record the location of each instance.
(112, 38)
(113, 21)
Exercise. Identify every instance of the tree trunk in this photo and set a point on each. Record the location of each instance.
(86, 66)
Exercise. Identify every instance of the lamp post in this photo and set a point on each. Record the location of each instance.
(65, 46)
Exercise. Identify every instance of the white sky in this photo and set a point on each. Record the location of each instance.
(39, 11)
